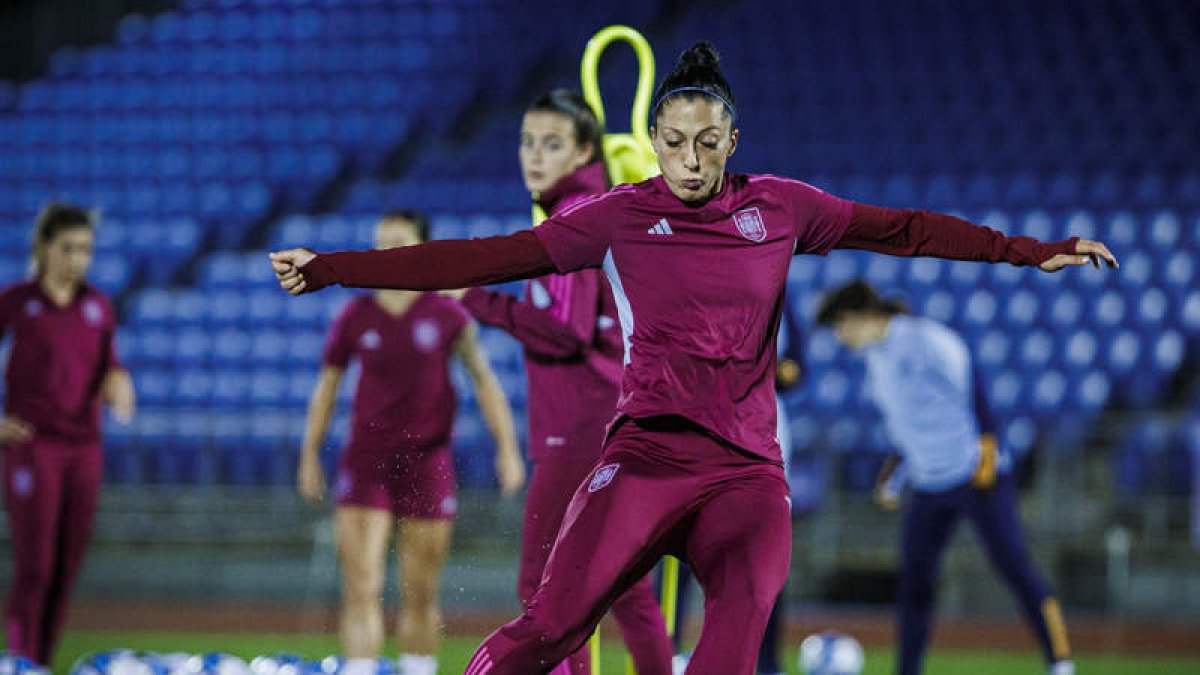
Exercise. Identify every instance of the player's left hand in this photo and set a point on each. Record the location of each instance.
(787, 374)
(287, 264)
(887, 499)
(1086, 251)
(510, 471)
(118, 393)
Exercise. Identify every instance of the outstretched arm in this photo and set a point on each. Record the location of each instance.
(909, 232)
(434, 265)
(538, 329)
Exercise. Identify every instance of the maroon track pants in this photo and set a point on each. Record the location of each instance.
(50, 491)
(661, 487)
(551, 487)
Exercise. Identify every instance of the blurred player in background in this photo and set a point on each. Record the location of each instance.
(573, 349)
(63, 366)
(397, 470)
(919, 374)
(790, 343)
(697, 259)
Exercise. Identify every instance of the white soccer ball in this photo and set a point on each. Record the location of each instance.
(215, 663)
(280, 664)
(831, 653)
(14, 664)
(118, 662)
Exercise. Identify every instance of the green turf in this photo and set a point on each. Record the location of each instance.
(457, 650)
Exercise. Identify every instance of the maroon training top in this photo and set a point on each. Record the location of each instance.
(699, 287)
(60, 357)
(568, 326)
(405, 399)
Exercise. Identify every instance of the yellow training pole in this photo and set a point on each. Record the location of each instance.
(630, 159)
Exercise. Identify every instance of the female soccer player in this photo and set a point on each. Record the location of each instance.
(920, 375)
(397, 469)
(568, 326)
(62, 367)
(697, 259)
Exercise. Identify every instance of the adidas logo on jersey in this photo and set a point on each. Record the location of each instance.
(661, 228)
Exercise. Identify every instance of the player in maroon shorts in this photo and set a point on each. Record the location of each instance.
(397, 470)
(568, 326)
(62, 367)
(697, 259)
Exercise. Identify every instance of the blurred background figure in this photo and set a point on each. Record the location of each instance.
(396, 473)
(62, 367)
(922, 378)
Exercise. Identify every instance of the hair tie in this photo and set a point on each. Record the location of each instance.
(702, 90)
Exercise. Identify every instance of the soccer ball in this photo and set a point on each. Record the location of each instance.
(15, 664)
(831, 653)
(330, 665)
(215, 663)
(119, 662)
(281, 664)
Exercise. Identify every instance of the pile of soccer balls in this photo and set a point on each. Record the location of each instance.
(128, 662)
(831, 653)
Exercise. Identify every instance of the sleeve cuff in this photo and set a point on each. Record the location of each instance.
(318, 273)
(1045, 252)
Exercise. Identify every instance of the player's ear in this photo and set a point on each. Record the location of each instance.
(733, 141)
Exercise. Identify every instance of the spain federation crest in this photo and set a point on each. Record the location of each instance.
(426, 335)
(93, 313)
(603, 476)
(750, 224)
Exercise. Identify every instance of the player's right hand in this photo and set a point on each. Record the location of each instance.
(310, 479)
(287, 264)
(13, 430)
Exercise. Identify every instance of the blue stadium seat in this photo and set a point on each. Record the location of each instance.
(231, 347)
(1189, 313)
(1019, 435)
(938, 305)
(1109, 310)
(1165, 230)
(1179, 271)
(193, 347)
(1091, 392)
(1081, 349)
(230, 389)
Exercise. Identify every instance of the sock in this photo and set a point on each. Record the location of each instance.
(360, 666)
(418, 664)
(1063, 668)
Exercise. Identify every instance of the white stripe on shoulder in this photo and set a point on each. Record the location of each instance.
(618, 191)
(782, 180)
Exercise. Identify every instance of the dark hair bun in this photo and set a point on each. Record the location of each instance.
(700, 55)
